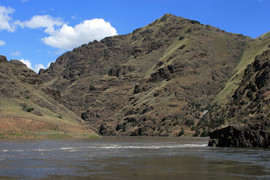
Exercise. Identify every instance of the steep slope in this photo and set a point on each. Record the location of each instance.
(157, 80)
(242, 97)
(27, 108)
(248, 108)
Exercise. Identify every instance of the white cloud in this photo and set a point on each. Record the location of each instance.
(68, 37)
(41, 21)
(2, 43)
(48, 65)
(16, 53)
(27, 63)
(74, 17)
(5, 19)
(61, 35)
(38, 67)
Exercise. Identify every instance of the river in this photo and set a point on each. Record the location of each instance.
(129, 158)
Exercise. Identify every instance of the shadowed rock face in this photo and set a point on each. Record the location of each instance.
(249, 135)
(158, 80)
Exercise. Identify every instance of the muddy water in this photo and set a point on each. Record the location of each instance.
(129, 158)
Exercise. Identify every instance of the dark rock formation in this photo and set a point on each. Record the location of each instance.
(249, 135)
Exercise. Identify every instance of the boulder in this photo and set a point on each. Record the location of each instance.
(248, 135)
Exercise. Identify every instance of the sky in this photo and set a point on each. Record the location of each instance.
(36, 32)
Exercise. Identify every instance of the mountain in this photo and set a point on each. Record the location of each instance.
(30, 109)
(172, 77)
(159, 80)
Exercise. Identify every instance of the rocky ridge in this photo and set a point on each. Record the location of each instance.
(158, 80)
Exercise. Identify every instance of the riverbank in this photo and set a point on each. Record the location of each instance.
(25, 127)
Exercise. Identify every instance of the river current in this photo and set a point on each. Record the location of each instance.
(129, 158)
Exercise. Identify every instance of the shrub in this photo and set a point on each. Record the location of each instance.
(204, 133)
(229, 138)
(182, 132)
(189, 122)
(29, 109)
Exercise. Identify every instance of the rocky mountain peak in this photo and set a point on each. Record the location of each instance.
(156, 80)
(3, 59)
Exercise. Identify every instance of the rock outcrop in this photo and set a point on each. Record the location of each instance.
(248, 135)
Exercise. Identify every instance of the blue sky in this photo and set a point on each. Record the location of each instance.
(38, 31)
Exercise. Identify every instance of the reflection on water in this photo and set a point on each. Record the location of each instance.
(129, 158)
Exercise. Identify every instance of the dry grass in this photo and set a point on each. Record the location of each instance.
(15, 122)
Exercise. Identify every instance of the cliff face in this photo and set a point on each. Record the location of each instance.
(158, 80)
(28, 108)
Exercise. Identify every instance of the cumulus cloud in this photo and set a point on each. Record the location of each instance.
(5, 19)
(2, 43)
(48, 65)
(68, 37)
(61, 35)
(41, 21)
(27, 63)
(36, 67)
(16, 53)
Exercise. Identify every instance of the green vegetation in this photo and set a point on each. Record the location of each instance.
(47, 134)
(204, 133)
(253, 49)
(229, 138)
(29, 109)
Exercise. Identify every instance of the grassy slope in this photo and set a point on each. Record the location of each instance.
(48, 118)
(15, 122)
(225, 109)
(255, 48)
